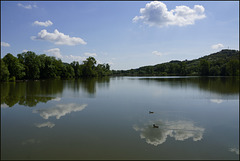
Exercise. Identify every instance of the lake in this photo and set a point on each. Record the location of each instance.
(108, 118)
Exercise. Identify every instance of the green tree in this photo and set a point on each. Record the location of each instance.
(15, 68)
(214, 70)
(204, 67)
(32, 64)
(232, 67)
(4, 72)
(77, 69)
(70, 71)
(89, 67)
(183, 68)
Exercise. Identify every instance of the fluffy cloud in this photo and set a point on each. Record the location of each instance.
(157, 53)
(58, 38)
(60, 110)
(180, 130)
(4, 44)
(27, 6)
(217, 46)
(70, 58)
(25, 50)
(156, 14)
(54, 52)
(45, 124)
(46, 23)
(90, 54)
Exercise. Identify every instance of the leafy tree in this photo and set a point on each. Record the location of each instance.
(70, 71)
(233, 67)
(15, 68)
(77, 69)
(204, 67)
(32, 64)
(4, 72)
(214, 70)
(89, 67)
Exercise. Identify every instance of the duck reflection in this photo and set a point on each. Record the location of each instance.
(179, 130)
(60, 110)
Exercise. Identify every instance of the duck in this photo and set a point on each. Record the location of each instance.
(155, 126)
(150, 112)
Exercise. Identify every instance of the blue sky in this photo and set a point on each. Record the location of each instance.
(125, 34)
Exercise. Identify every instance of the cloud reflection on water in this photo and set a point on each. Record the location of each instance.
(234, 150)
(180, 130)
(30, 141)
(4, 105)
(216, 100)
(56, 99)
(45, 124)
(60, 110)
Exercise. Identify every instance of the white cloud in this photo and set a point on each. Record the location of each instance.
(180, 130)
(4, 44)
(58, 38)
(25, 50)
(46, 23)
(45, 124)
(157, 53)
(27, 6)
(60, 110)
(234, 150)
(217, 46)
(90, 54)
(156, 14)
(54, 52)
(70, 58)
(216, 100)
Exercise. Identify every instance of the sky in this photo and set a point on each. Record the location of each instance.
(124, 34)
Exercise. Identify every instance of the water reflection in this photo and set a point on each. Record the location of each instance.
(87, 85)
(4, 105)
(60, 110)
(45, 124)
(56, 99)
(179, 130)
(234, 150)
(219, 85)
(30, 93)
(218, 101)
(30, 141)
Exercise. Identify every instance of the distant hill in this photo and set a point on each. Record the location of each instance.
(222, 63)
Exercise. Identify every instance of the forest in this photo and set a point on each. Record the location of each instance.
(30, 66)
(222, 63)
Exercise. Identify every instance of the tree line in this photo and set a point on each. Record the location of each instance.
(223, 63)
(30, 66)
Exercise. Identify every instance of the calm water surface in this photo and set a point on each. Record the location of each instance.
(108, 118)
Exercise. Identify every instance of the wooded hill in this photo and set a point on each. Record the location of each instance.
(222, 63)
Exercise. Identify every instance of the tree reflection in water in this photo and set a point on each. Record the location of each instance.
(30, 93)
